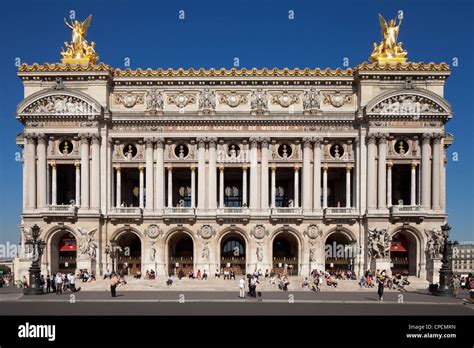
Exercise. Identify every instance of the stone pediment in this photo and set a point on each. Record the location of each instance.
(410, 103)
(61, 103)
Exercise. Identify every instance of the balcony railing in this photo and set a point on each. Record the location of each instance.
(340, 211)
(179, 211)
(233, 211)
(286, 211)
(403, 209)
(62, 209)
(126, 210)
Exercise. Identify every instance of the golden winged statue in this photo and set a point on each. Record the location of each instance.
(389, 51)
(79, 50)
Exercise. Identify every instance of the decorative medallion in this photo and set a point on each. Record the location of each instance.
(129, 99)
(206, 231)
(259, 231)
(181, 99)
(337, 99)
(285, 99)
(153, 231)
(233, 99)
(313, 232)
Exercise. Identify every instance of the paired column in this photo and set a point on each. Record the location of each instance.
(149, 174)
(31, 170)
(201, 143)
(307, 174)
(297, 186)
(54, 185)
(84, 172)
(95, 172)
(436, 162)
(273, 186)
(371, 172)
(413, 184)
(317, 174)
(41, 170)
(193, 186)
(348, 186)
(382, 176)
(325, 186)
(78, 183)
(426, 171)
(118, 183)
(264, 174)
(160, 176)
(389, 184)
(244, 186)
(212, 183)
(253, 174)
(170, 186)
(141, 185)
(221, 187)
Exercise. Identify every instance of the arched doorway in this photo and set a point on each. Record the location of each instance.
(63, 246)
(285, 254)
(233, 253)
(403, 253)
(180, 254)
(339, 252)
(130, 256)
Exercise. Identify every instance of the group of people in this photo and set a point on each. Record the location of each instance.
(59, 283)
(85, 276)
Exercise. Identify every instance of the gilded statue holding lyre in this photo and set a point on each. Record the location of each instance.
(389, 50)
(79, 50)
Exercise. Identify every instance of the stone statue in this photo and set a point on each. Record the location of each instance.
(205, 251)
(435, 243)
(312, 253)
(87, 246)
(207, 101)
(153, 251)
(79, 49)
(259, 252)
(378, 244)
(312, 100)
(259, 101)
(154, 100)
(389, 49)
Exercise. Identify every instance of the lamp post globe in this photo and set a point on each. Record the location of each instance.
(34, 271)
(446, 270)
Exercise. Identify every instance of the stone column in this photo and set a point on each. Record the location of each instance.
(78, 183)
(41, 170)
(264, 174)
(149, 174)
(253, 174)
(201, 143)
(436, 162)
(141, 169)
(297, 186)
(193, 186)
(413, 184)
(325, 186)
(371, 173)
(307, 174)
(244, 186)
(443, 179)
(54, 184)
(31, 170)
(426, 171)
(221, 186)
(273, 185)
(212, 193)
(95, 172)
(170, 186)
(118, 183)
(382, 167)
(84, 172)
(389, 183)
(348, 186)
(160, 176)
(317, 174)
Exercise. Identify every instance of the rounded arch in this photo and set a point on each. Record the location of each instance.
(52, 238)
(441, 102)
(293, 233)
(122, 230)
(134, 259)
(406, 250)
(339, 250)
(346, 232)
(239, 264)
(94, 106)
(186, 265)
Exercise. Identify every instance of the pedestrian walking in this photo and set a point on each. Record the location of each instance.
(242, 287)
(381, 284)
(113, 285)
(48, 284)
(456, 285)
(58, 282)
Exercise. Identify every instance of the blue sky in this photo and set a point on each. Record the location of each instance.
(260, 34)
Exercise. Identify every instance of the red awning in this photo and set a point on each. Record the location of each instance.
(397, 247)
(67, 244)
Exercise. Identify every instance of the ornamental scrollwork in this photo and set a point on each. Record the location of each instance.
(129, 99)
(233, 99)
(181, 99)
(285, 99)
(337, 99)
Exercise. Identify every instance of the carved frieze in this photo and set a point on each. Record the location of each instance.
(407, 104)
(60, 105)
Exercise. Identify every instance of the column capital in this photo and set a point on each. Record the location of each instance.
(297, 167)
(389, 164)
(52, 164)
(253, 141)
(95, 139)
(141, 167)
(77, 164)
(317, 141)
(212, 141)
(149, 142)
(273, 167)
(30, 138)
(348, 168)
(160, 142)
(244, 167)
(84, 138)
(41, 138)
(382, 138)
(221, 168)
(371, 138)
(437, 137)
(201, 141)
(169, 167)
(414, 164)
(426, 138)
(307, 141)
(325, 167)
(118, 168)
(193, 167)
(264, 141)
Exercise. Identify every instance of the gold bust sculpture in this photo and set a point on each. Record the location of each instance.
(389, 51)
(79, 50)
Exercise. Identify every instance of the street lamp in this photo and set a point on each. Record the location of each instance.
(112, 252)
(446, 271)
(353, 251)
(38, 246)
